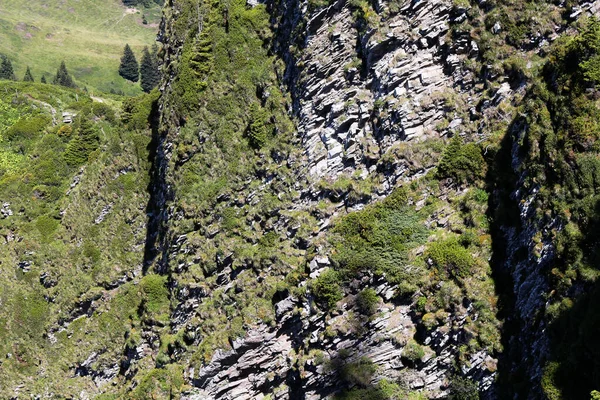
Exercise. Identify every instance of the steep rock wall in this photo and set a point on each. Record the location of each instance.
(360, 89)
(349, 115)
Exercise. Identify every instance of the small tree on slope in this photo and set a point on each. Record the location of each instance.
(28, 77)
(62, 77)
(129, 68)
(149, 73)
(6, 69)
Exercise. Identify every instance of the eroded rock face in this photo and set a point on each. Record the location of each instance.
(359, 92)
(267, 358)
(356, 95)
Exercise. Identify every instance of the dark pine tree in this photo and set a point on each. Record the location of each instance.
(83, 143)
(6, 69)
(43, 80)
(28, 77)
(149, 73)
(129, 68)
(62, 77)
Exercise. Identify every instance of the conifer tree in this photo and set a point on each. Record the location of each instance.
(258, 129)
(83, 143)
(149, 73)
(6, 69)
(129, 68)
(62, 77)
(28, 77)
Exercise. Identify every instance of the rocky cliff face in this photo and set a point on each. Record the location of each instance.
(365, 91)
(363, 84)
(324, 199)
(360, 87)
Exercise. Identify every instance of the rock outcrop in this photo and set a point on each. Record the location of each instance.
(360, 91)
(222, 299)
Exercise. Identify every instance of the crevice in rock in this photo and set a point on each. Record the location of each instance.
(155, 248)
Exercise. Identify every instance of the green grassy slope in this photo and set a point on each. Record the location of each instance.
(89, 35)
(74, 235)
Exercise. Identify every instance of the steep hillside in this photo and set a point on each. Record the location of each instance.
(72, 233)
(553, 244)
(88, 35)
(325, 199)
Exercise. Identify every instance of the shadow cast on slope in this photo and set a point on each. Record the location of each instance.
(504, 217)
(573, 370)
(156, 230)
(571, 366)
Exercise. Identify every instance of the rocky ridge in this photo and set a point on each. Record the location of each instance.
(357, 94)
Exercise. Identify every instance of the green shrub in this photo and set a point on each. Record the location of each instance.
(268, 240)
(258, 130)
(103, 110)
(194, 68)
(326, 288)
(397, 200)
(91, 251)
(367, 301)
(448, 295)
(377, 239)
(480, 196)
(463, 389)
(160, 383)
(406, 289)
(130, 181)
(50, 170)
(421, 304)
(450, 258)
(30, 313)
(137, 111)
(156, 294)
(461, 162)
(429, 321)
(413, 351)
(231, 221)
(28, 127)
(46, 225)
(83, 144)
(359, 373)
(384, 390)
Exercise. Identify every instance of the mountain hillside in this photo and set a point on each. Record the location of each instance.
(321, 200)
(88, 35)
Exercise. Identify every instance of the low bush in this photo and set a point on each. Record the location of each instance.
(367, 301)
(413, 351)
(159, 383)
(450, 258)
(156, 294)
(326, 288)
(359, 373)
(46, 225)
(86, 140)
(378, 238)
(463, 389)
(259, 129)
(463, 162)
(28, 127)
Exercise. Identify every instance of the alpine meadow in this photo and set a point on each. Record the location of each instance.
(88, 34)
